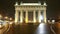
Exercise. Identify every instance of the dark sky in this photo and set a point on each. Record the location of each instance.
(7, 7)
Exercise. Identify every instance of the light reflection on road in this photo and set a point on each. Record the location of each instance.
(3, 26)
(43, 28)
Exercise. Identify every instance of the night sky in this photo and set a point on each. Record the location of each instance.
(7, 7)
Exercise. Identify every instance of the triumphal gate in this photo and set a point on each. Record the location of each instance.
(30, 12)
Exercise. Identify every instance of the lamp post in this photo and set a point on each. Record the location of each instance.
(10, 20)
(53, 21)
(6, 19)
(49, 21)
(52, 25)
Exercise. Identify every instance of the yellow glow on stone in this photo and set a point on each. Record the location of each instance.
(26, 20)
(34, 20)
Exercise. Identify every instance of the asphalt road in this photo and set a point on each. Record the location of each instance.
(32, 29)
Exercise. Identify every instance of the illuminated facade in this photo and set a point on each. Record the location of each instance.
(30, 12)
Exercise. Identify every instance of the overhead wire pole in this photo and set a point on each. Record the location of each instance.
(52, 25)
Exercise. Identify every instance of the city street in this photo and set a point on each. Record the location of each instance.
(32, 29)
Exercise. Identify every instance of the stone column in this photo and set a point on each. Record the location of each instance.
(45, 16)
(34, 16)
(21, 17)
(16, 16)
(26, 18)
(39, 14)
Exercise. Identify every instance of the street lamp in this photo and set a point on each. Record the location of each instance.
(6, 19)
(53, 21)
(51, 27)
(10, 21)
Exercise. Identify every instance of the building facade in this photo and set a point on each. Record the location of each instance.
(30, 12)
